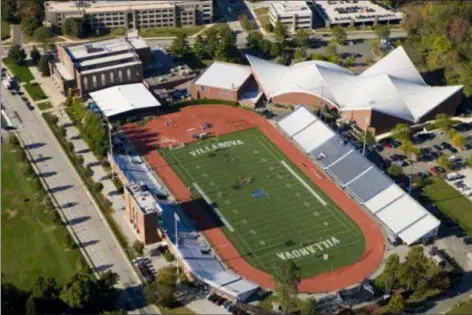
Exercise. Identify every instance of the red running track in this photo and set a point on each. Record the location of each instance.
(176, 128)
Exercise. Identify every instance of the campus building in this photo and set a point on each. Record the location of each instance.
(389, 92)
(355, 13)
(293, 15)
(142, 211)
(96, 65)
(131, 14)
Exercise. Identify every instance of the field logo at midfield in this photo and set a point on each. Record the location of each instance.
(216, 146)
(259, 193)
(310, 249)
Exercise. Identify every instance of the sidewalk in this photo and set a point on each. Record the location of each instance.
(81, 148)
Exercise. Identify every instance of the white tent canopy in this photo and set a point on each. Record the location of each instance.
(392, 86)
(120, 99)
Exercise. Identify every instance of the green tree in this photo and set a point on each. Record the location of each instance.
(200, 47)
(387, 281)
(280, 32)
(42, 34)
(349, 62)
(35, 55)
(17, 54)
(179, 46)
(331, 49)
(401, 132)
(369, 137)
(138, 247)
(105, 292)
(469, 161)
(44, 66)
(307, 307)
(302, 39)
(254, 40)
(394, 170)
(318, 56)
(383, 32)
(443, 122)
(115, 312)
(13, 299)
(459, 141)
(409, 149)
(9, 10)
(31, 306)
(396, 305)
(45, 294)
(162, 290)
(275, 48)
(287, 278)
(300, 55)
(244, 21)
(29, 24)
(339, 34)
(76, 291)
(443, 161)
(75, 27)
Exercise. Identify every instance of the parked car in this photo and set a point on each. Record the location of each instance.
(437, 147)
(467, 240)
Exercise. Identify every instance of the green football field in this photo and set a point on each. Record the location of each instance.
(266, 206)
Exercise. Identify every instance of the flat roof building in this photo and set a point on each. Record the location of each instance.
(143, 211)
(293, 15)
(96, 65)
(131, 14)
(119, 100)
(355, 13)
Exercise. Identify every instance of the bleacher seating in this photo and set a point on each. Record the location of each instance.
(368, 185)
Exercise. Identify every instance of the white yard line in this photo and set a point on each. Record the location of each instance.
(210, 203)
(304, 183)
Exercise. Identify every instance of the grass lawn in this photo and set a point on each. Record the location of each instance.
(35, 91)
(268, 209)
(169, 31)
(44, 105)
(22, 72)
(32, 244)
(262, 11)
(451, 202)
(5, 30)
(464, 308)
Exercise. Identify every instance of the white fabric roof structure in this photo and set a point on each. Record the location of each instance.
(224, 75)
(120, 99)
(403, 215)
(392, 86)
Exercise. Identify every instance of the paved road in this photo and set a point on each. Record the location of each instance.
(17, 36)
(83, 215)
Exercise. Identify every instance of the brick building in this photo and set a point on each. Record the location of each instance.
(96, 65)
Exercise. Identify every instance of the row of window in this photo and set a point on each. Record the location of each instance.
(111, 76)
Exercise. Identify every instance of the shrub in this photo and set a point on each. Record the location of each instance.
(138, 247)
(168, 256)
(56, 218)
(70, 146)
(88, 172)
(80, 159)
(394, 170)
(98, 186)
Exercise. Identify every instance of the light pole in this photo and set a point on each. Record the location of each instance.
(177, 219)
(366, 118)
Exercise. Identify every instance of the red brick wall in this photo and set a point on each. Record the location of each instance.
(202, 92)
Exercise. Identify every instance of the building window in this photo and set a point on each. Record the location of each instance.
(112, 77)
(128, 74)
(94, 81)
(120, 76)
(85, 83)
(103, 79)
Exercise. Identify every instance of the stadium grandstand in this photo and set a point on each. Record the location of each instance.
(369, 186)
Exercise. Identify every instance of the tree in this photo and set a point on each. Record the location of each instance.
(396, 305)
(286, 279)
(29, 24)
(138, 247)
(409, 149)
(280, 32)
(368, 137)
(75, 27)
(275, 48)
(339, 34)
(458, 29)
(394, 170)
(331, 49)
(244, 21)
(179, 46)
(443, 122)
(317, 56)
(30, 306)
(469, 161)
(44, 66)
(13, 299)
(302, 39)
(401, 132)
(443, 161)
(17, 54)
(307, 307)
(45, 294)
(387, 281)
(254, 40)
(299, 55)
(459, 140)
(349, 62)
(76, 291)
(383, 32)
(42, 34)
(9, 10)
(161, 290)
(104, 292)
(35, 55)
(200, 47)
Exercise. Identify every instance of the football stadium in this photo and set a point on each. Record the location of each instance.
(258, 199)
